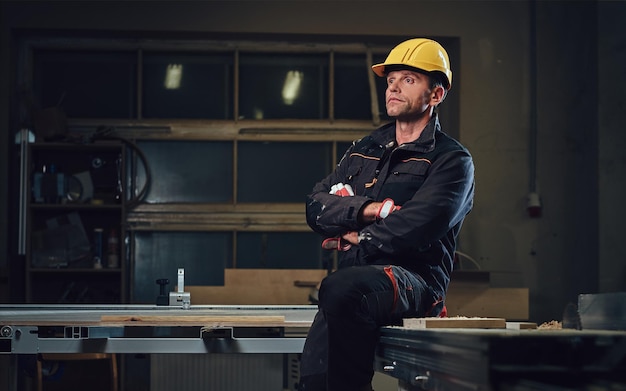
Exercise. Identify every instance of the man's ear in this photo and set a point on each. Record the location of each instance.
(437, 95)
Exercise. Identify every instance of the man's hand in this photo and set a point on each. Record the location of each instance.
(351, 237)
(378, 210)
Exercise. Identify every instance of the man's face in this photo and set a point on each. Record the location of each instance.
(408, 94)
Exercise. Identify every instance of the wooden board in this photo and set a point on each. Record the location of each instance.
(480, 301)
(460, 322)
(260, 286)
(189, 320)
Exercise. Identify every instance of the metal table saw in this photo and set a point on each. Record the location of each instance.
(175, 340)
(32, 329)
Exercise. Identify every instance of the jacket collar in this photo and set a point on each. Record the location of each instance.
(425, 143)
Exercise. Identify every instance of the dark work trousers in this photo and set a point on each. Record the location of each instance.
(354, 303)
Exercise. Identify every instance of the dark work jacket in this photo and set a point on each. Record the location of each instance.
(432, 179)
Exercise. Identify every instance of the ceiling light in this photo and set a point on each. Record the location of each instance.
(291, 87)
(173, 74)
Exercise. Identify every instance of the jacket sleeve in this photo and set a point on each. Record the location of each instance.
(331, 215)
(442, 202)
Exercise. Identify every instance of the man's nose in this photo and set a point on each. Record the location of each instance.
(392, 86)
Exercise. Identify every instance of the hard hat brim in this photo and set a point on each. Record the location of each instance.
(379, 69)
(382, 70)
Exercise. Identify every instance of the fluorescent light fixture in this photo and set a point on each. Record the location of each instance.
(173, 74)
(291, 87)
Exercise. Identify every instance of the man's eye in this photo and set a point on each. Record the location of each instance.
(408, 80)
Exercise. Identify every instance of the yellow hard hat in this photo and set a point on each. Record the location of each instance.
(420, 53)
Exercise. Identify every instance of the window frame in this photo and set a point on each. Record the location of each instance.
(233, 217)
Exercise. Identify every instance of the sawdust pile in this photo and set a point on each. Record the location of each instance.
(551, 325)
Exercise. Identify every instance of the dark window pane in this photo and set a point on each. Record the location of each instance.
(381, 87)
(281, 250)
(281, 86)
(204, 255)
(87, 84)
(187, 85)
(281, 171)
(352, 91)
(188, 171)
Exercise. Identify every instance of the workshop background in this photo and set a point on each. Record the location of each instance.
(539, 90)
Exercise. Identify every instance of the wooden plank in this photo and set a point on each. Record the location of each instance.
(190, 320)
(479, 301)
(259, 286)
(248, 294)
(271, 276)
(470, 277)
(456, 322)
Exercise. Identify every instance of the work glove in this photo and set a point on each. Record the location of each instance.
(338, 244)
(386, 208)
(341, 190)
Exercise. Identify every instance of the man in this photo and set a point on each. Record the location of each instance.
(394, 207)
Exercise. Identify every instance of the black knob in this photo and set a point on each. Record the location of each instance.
(162, 285)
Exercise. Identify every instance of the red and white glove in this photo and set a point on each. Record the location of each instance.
(338, 244)
(341, 190)
(386, 208)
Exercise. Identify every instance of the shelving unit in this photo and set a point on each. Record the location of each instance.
(76, 205)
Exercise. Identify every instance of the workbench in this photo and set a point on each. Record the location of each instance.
(458, 359)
